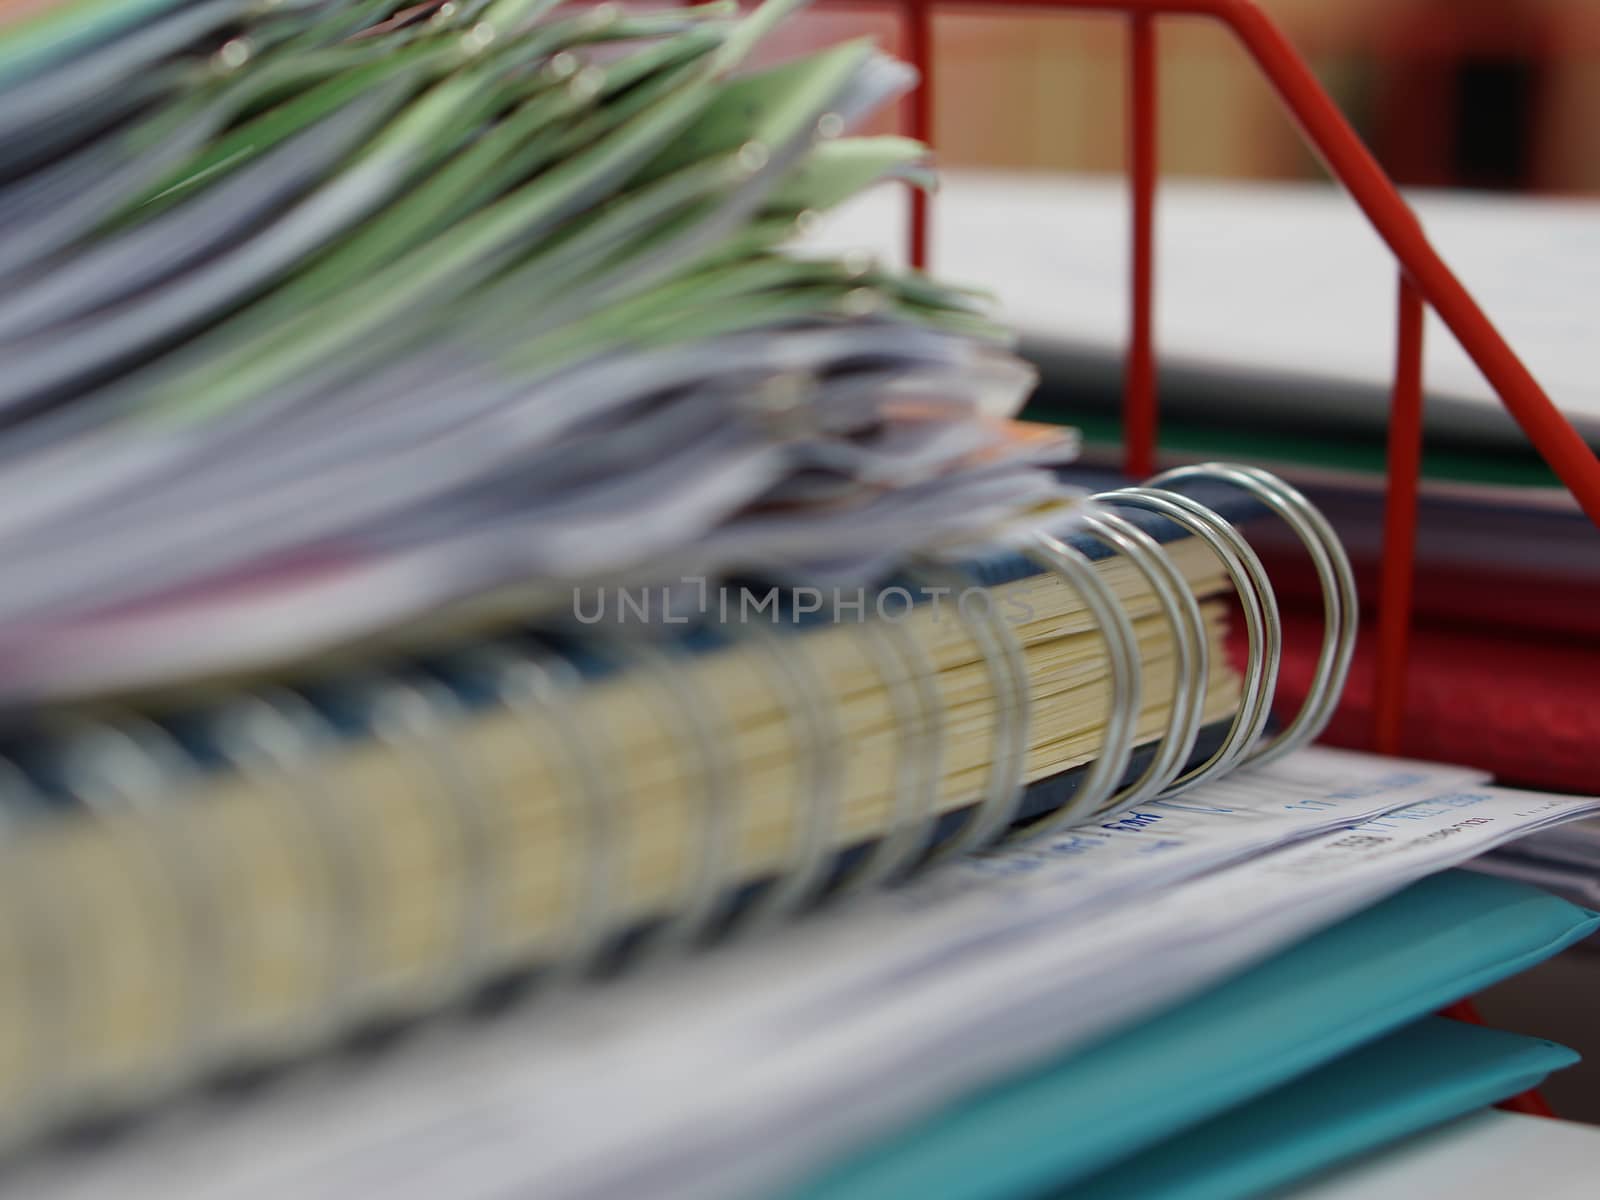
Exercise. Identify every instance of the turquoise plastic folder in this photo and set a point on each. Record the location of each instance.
(1431, 944)
(1428, 1073)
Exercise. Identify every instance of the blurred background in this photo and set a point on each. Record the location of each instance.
(1490, 94)
(1496, 94)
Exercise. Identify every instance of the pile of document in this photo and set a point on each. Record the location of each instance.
(1565, 861)
(812, 1060)
(323, 317)
(394, 399)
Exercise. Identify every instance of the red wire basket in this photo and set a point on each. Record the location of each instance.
(1424, 280)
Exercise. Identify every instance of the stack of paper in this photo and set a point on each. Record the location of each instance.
(753, 1066)
(321, 318)
(358, 356)
(349, 347)
(1565, 861)
(1275, 305)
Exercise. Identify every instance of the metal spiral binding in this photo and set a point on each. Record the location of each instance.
(417, 715)
(1339, 602)
(535, 684)
(134, 773)
(908, 675)
(710, 871)
(1263, 628)
(1263, 624)
(1183, 615)
(274, 737)
(1095, 792)
(1166, 775)
(128, 770)
(1008, 676)
(1191, 671)
(912, 686)
(45, 975)
(819, 781)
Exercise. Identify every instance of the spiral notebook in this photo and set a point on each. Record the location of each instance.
(219, 882)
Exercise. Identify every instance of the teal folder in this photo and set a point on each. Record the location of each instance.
(1428, 1073)
(1436, 941)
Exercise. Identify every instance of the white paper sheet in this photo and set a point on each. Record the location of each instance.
(1279, 280)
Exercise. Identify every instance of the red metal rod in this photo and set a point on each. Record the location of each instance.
(1464, 1011)
(919, 51)
(1352, 164)
(1399, 525)
(1531, 1101)
(1139, 383)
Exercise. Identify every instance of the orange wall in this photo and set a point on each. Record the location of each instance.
(1045, 90)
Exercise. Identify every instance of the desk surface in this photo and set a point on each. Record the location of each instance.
(1487, 1156)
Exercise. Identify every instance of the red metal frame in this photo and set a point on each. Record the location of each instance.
(1399, 521)
(1530, 1102)
(1425, 282)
